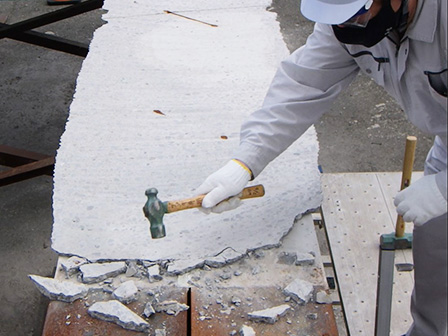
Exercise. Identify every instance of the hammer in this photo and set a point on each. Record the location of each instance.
(154, 209)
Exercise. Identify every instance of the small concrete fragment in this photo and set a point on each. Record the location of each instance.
(154, 273)
(160, 332)
(131, 269)
(59, 290)
(227, 256)
(287, 258)
(116, 312)
(305, 259)
(170, 307)
(404, 267)
(247, 331)
(323, 297)
(269, 315)
(97, 272)
(299, 290)
(149, 310)
(72, 264)
(126, 292)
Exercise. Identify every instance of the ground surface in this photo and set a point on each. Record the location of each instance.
(365, 132)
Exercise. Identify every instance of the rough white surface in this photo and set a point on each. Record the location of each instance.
(205, 80)
(247, 331)
(97, 272)
(115, 311)
(269, 315)
(59, 290)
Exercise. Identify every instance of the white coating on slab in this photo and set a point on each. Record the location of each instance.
(205, 80)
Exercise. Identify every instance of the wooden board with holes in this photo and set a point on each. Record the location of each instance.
(357, 209)
(219, 317)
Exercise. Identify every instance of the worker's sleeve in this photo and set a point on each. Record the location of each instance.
(303, 89)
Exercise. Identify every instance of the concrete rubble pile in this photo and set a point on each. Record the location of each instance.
(107, 288)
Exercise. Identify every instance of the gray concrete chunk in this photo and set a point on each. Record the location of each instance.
(170, 307)
(247, 331)
(59, 290)
(323, 297)
(304, 259)
(72, 264)
(126, 292)
(299, 290)
(97, 272)
(114, 311)
(269, 315)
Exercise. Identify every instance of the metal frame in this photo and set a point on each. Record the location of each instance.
(26, 164)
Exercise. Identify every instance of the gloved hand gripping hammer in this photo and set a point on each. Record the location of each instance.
(154, 209)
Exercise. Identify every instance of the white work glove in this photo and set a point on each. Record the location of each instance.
(227, 182)
(421, 201)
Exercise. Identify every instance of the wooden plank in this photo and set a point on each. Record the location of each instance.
(356, 213)
(210, 318)
(72, 319)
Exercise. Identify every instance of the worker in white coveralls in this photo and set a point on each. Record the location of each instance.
(402, 45)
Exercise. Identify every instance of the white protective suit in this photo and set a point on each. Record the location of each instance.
(310, 79)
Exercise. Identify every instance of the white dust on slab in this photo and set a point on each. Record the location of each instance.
(115, 311)
(269, 315)
(206, 81)
(59, 290)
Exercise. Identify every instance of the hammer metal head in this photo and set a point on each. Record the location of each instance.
(154, 209)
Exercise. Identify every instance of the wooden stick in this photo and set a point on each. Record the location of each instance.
(196, 202)
(408, 164)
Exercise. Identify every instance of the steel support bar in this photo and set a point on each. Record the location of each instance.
(51, 42)
(51, 17)
(384, 292)
(14, 157)
(27, 171)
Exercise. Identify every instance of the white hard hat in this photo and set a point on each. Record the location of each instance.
(330, 11)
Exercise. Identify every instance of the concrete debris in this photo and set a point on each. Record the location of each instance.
(236, 301)
(97, 272)
(149, 310)
(227, 256)
(160, 332)
(126, 292)
(71, 265)
(304, 259)
(154, 273)
(182, 266)
(323, 297)
(131, 269)
(115, 311)
(269, 315)
(287, 258)
(170, 307)
(59, 290)
(299, 290)
(312, 316)
(247, 331)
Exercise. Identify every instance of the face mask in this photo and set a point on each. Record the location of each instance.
(377, 28)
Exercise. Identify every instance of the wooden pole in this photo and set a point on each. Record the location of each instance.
(408, 164)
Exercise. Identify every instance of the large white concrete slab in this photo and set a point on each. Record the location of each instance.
(205, 80)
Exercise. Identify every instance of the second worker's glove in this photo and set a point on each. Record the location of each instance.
(421, 201)
(225, 183)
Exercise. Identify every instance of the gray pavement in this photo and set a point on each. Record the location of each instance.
(364, 132)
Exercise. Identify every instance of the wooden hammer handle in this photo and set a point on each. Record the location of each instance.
(408, 163)
(196, 202)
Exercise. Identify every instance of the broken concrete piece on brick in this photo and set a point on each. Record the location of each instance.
(72, 264)
(247, 331)
(299, 290)
(149, 310)
(304, 259)
(227, 256)
(323, 297)
(182, 266)
(171, 307)
(160, 332)
(131, 269)
(269, 315)
(287, 258)
(59, 290)
(116, 312)
(97, 272)
(126, 292)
